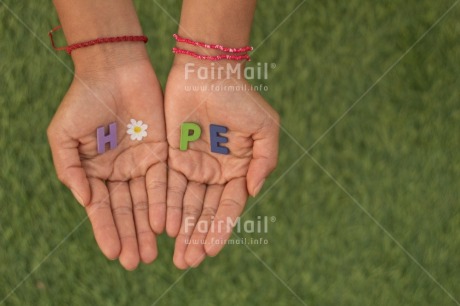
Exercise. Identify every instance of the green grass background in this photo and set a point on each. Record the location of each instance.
(393, 160)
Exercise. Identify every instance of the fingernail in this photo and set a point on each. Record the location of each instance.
(258, 188)
(78, 197)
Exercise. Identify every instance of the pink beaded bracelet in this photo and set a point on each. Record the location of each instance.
(212, 57)
(211, 46)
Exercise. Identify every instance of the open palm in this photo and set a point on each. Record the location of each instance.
(206, 189)
(119, 187)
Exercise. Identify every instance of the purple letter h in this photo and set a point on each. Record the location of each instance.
(111, 137)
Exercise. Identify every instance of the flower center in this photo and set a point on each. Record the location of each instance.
(137, 129)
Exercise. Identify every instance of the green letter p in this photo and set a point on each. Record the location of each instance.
(188, 132)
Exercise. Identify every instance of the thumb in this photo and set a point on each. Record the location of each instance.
(264, 157)
(68, 165)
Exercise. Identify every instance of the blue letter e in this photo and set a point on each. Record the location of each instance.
(217, 139)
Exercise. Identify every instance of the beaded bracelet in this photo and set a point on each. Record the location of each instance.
(212, 57)
(211, 46)
(242, 56)
(93, 42)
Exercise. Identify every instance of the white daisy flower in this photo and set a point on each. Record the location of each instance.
(137, 129)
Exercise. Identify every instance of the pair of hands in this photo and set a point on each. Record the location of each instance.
(142, 188)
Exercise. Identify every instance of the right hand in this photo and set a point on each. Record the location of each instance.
(123, 190)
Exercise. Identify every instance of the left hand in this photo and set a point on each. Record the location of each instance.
(207, 191)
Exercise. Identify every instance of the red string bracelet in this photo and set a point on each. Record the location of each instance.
(212, 57)
(211, 46)
(93, 42)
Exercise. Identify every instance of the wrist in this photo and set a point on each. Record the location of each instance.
(226, 23)
(108, 56)
(210, 60)
(206, 70)
(87, 20)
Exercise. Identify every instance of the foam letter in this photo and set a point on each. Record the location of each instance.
(111, 137)
(186, 136)
(217, 139)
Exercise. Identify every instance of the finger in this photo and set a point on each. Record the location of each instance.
(193, 203)
(68, 165)
(145, 236)
(231, 206)
(122, 211)
(156, 190)
(264, 156)
(195, 252)
(100, 214)
(177, 184)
